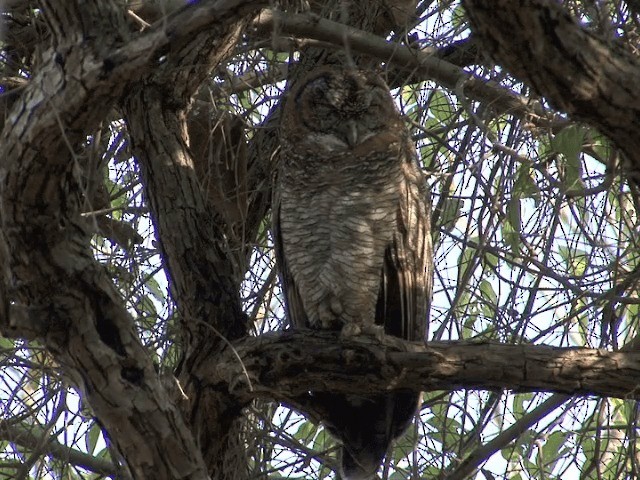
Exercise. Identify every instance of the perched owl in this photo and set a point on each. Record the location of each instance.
(352, 237)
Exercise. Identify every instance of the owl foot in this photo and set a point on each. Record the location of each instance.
(350, 330)
(376, 331)
(355, 329)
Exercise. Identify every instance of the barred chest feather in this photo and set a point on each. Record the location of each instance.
(337, 217)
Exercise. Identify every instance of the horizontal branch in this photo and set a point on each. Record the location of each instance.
(286, 365)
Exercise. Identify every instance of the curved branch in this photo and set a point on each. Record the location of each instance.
(579, 72)
(415, 64)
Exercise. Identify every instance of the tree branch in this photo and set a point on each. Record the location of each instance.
(45, 241)
(29, 437)
(415, 64)
(470, 463)
(288, 364)
(203, 256)
(587, 76)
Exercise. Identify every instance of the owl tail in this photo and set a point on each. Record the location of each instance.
(366, 426)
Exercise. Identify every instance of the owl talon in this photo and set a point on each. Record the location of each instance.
(376, 331)
(350, 330)
(354, 329)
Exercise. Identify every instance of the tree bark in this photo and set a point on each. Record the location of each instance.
(285, 365)
(54, 291)
(591, 78)
(64, 296)
(204, 261)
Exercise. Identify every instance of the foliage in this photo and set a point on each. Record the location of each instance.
(536, 233)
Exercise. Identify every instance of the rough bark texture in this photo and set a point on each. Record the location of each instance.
(66, 299)
(203, 260)
(88, 330)
(588, 77)
(284, 365)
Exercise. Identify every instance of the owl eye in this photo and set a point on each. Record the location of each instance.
(324, 116)
(313, 92)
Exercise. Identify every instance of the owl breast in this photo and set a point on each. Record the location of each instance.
(337, 232)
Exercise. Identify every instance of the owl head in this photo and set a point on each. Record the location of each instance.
(338, 109)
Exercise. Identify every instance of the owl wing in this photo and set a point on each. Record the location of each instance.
(407, 272)
(292, 300)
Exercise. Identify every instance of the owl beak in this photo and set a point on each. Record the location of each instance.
(352, 133)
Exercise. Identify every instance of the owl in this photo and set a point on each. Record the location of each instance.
(352, 239)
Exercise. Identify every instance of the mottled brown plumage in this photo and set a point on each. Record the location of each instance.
(352, 236)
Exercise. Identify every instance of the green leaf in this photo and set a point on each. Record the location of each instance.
(322, 440)
(490, 261)
(155, 290)
(450, 213)
(569, 143)
(576, 260)
(511, 234)
(92, 437)
(410, 99)
(405, 444)
(465, 261)
(525, 185)
(488, 293)
(440, 107)
(305, 431)
(146, 305)
(429, 152)
(514, 213)
(468, 327)
(554, 446)
(6, 343)
(518, 403)
(601, 145)
(459, 18)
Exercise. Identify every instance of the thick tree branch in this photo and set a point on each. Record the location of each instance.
(587, 76)
(205, 262)
(289, 364)
(45, 241)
